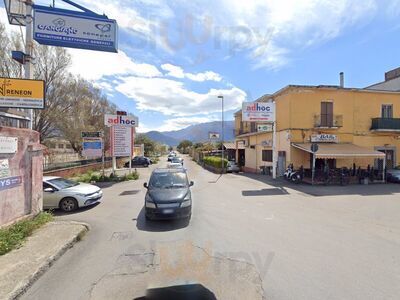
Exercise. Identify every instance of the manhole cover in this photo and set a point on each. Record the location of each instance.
(127, 193)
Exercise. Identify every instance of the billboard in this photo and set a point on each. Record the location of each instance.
(258, 112)
(213, 135)
(73, 29)
(324, 138)
(92, 147)
(118, 120)
(121, 141)
(22, 93)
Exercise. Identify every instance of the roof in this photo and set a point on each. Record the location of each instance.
(331, 150)
(232, 146)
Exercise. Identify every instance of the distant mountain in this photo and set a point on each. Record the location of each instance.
(162, 138)
(194, 133)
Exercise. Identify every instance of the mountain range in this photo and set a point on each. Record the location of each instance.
(195, 133)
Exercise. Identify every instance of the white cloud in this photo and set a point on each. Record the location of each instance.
(94, 65)
(170, 97)
(178, 72)
(180, 123)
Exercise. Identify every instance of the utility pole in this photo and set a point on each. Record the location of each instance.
(222, 134)
(29, 49)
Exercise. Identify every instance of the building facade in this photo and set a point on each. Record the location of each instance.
(353, 127)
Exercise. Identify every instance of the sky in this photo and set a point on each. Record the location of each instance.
(176, 57)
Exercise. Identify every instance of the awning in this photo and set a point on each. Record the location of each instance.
(326, 150)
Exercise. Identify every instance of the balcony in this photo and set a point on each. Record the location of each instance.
(322, 122)
(385, 124)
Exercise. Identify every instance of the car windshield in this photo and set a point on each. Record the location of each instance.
(62, 183)
(168, 180)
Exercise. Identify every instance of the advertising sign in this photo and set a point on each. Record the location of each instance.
(10, 182)
(115, 120)
(92, 147)
(8, 145)
(258, 112)
(267, 143)
(213, 136)
(22, 93)
(324, 138)
(72, 29)
(91, 134)
(265, 128)
(121, 141)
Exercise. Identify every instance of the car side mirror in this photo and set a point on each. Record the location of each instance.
(48, 190)
(145, 185)
(191, 183)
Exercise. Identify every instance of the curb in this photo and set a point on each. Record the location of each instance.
(24, 286)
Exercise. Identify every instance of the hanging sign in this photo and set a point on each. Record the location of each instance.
(74, 29)
(22, 93)
(213, 135)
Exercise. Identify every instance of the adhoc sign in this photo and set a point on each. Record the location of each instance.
(258, 112)
(324, 138)
(92, 147)
(73, 29)
(115, 120)
(121, 141)
(22, 93)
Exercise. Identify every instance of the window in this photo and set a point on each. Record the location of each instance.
(326, 114)
(267, 155)
(253, 127)
(60, 146)
(387, 111)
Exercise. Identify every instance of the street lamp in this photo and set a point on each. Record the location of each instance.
(222, 133)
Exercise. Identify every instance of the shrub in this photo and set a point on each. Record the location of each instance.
(214, 161)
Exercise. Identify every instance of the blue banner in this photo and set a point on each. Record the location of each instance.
(10, 182)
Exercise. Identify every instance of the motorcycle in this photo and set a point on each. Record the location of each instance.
(292, 175)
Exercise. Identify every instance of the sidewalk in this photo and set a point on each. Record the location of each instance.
(21, 267)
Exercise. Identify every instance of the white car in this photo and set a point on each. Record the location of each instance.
(68, 195)
(175, 166)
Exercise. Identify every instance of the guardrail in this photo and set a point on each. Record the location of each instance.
(71, 164)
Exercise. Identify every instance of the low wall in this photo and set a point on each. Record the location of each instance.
(213, 169)
(21, 176)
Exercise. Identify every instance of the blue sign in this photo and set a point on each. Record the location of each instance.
(10, 182)
(73, 29)
(92, 145)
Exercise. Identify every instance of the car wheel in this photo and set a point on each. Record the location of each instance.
(68, 204)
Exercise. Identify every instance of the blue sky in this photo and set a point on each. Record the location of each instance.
(176, 57)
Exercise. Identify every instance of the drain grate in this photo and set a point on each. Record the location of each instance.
(127, 193)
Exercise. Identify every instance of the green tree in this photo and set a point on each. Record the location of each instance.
(198, 145)
(149, 144)
(184, 146)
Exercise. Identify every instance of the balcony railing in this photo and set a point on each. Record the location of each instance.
(335, 121)
(385, 124)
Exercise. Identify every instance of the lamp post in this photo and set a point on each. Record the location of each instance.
(222, 133)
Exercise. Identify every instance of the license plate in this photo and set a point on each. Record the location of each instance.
(168, 211)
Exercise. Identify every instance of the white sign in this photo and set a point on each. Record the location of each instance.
(265, 128)
(92, 147)
(214, 136)
(126, 121)
(258, 112)
(4, 168)
(121, 141)
(267, 143)
(324, 138)
(65, 28)
(8, 145)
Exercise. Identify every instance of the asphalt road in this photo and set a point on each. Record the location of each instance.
(305, 242)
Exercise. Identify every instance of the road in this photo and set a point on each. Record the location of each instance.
(305, 242)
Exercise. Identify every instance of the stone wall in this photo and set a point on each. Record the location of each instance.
(21, 182)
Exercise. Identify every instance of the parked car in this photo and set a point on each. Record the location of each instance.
(393, 176)
(177, 160)
(168, 195)
(139, 161)
(232, 167)
(68, 195)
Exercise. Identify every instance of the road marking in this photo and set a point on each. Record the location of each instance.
(270, 218)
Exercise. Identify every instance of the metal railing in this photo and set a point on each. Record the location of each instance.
(71, 164)
(385, 124)
(327, 122)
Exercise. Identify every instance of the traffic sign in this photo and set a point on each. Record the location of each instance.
(314, 147)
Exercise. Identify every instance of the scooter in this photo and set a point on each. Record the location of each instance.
(292, 175)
